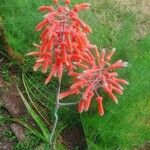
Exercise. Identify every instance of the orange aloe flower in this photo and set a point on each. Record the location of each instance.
(63, 40)
(101, 75)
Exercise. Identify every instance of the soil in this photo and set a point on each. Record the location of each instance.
(146, 147)
(74, 138)
(6, 143)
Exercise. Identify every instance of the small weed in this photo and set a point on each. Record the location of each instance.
(5, 72)
(29, 143)
(4, 118)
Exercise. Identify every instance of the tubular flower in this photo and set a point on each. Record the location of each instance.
(100, 76)
(63, 39)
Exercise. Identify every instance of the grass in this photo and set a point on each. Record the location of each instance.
(126, 125)
(115, 24)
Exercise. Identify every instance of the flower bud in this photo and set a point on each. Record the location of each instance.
(67, 2)
(55, 1)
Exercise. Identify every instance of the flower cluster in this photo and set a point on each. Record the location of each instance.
(64, 45)
(63, 39)
(101, 75)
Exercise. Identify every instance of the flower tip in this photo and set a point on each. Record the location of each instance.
(45, 16)
(103, 50)
(46, 82)
(28, 54)
(86, 110)
(116, 101)
(55, 1)
(125, 64)
(45, 8)
(67, 2)
(114, 49)
(80, 112)
(44, 71)
(32, 54)
(101, 114)
(59, 97)
(35, 68)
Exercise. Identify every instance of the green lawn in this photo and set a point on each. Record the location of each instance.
(115, 24)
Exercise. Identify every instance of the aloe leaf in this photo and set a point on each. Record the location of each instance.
(35, 105)
(30, 128)
(37, 119)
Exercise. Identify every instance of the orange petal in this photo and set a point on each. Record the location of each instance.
(115, 65)
(114, 83)
(50, 44)
(81, 44)
(41, 25)
(46, 8)
(80, 65)
(53, 71)
(33, 54)
(69, 43)
(111, 95)
(102, 56)
(82, 6)
(96, 53)
(77, 85)
(87, 28)
(36, 45)
(60, 71)
(117, 90)
(113, 74)
(36, 66)
(81, 106)
(40, 60)
(64, 56)
(73, 74)
(86, 92)
(45, 66)
(55, 1)
(88, 101)
(44, 34)
(65, 94)
(51, 31)
(67, 1)
(100, 106)
(110, 54)
(90, 55)
(43, 47)
(121, 81)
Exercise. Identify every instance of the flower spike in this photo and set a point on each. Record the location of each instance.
(64, 43)
(101, 75)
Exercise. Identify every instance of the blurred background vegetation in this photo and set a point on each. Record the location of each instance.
(124, 25)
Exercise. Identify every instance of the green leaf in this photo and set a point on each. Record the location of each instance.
(35, 116)
(29, 127)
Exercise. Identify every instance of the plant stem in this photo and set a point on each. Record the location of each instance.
(68, 104)
(55, 114)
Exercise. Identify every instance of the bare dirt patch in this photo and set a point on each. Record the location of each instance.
(141, 9)
(145, 7)
(74, 138)
(111, 12)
